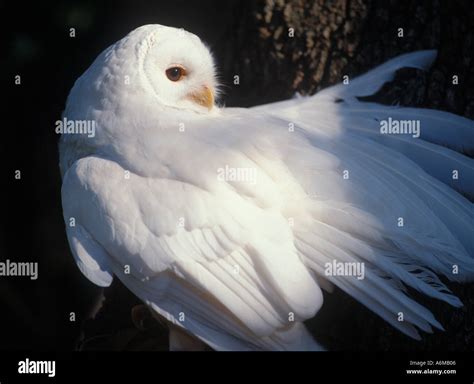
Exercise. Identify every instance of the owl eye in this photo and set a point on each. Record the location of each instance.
(175, 73)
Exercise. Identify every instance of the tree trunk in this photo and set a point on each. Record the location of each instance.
(302, 46)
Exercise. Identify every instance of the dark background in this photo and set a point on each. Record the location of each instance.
(250, 39)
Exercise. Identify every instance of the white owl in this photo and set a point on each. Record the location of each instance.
(228, 222)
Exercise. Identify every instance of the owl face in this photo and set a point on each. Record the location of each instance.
(180, 70)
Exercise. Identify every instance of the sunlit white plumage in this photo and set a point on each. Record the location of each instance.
(239, 264)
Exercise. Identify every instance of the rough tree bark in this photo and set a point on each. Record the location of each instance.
(348, 37)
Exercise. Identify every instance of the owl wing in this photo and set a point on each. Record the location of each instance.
(213, 263)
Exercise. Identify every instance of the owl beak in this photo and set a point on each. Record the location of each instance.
(204, 97)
